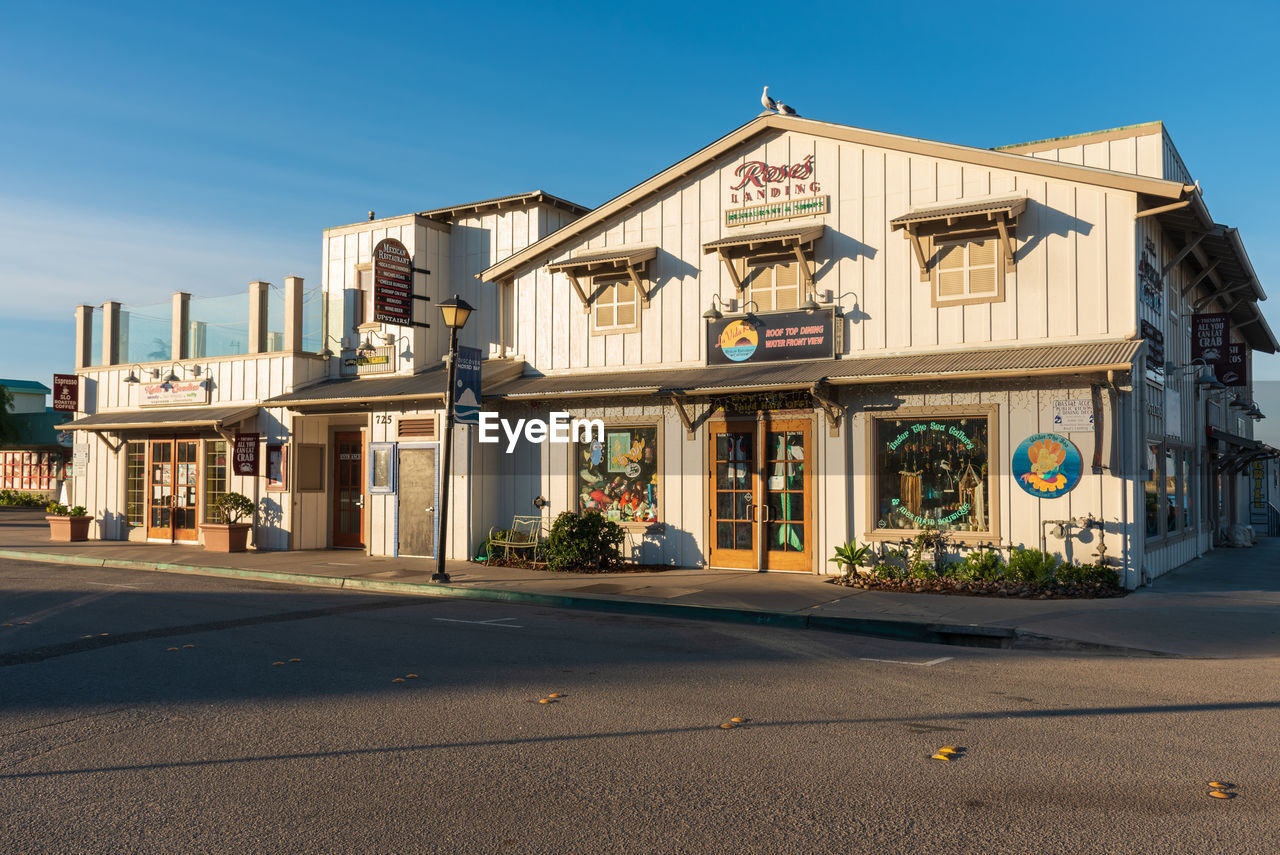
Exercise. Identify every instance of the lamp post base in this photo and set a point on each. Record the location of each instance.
(440, 577)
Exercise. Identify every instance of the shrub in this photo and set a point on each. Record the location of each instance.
(233, 507)
(1031, 566)
(850, 556)
(1088, 574)
(588, 541)
(980, 565)
(17, 499)
(55, 509)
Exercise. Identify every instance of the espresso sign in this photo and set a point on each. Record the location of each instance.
(392, 283)
(66, 392)
(773, 337)
(245, 453)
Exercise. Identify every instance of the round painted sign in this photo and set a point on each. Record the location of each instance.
(739, 340)
(1047, 465)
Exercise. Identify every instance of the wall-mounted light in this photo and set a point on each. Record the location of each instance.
(714, 314)
(132, 376)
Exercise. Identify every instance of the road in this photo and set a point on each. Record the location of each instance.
(145, 712)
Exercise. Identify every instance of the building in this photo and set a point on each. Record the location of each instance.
(35, 461)
(802, 334)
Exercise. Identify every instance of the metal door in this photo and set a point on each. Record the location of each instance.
(417, 494)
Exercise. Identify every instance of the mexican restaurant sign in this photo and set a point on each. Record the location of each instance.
(392, 283)
(174, 394)
(773, 337)
(774, 192)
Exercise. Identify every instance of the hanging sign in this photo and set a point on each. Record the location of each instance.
(174, 394)
(1155, 352)
(1047, 465)
(1073, 415)
(66, 392)
(773, 337)
(1210, 335)
(392, 283)
(466, 390)
(1258, 498)
(245, 454)
(1233, 370)
(376, 360)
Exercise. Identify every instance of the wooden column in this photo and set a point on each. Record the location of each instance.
(258, 316)
(178, 316)
(84, 336)
(110, 333)
(293, 314)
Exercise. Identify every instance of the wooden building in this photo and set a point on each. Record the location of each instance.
(803, 334)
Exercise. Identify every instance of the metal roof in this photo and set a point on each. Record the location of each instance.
(624, 256)
(349, 392)
(25, 386)
(533, 196)
(984, 362)
(1013, 205)
(801, 234)
(183, 417)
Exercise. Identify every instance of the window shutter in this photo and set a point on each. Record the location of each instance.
(982, 266)
(951, 270)
(417, 428)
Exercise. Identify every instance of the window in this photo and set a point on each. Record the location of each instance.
(1172, 501)
(1151, 491)
(616, 307)
(932, 472)
(30, 470)
(968, 271)
(361, 305)
(215, 478)
(135, 482)
(382, 467)
(309, 470)
(775, 287)
(619, 477)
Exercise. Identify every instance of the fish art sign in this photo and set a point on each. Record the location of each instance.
(1047, 465)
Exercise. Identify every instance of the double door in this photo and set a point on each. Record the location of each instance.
(761, 495)
(173, 489)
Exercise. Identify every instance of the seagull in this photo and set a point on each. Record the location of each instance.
(784, 110)
(769, 103)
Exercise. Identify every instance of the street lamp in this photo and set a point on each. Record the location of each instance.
(455, 311)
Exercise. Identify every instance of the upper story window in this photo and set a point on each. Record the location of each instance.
(775, 268)
(967, 271)
(616, 307)
(613, 285)
(774, 287)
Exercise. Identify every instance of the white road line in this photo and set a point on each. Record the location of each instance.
(111, 585)
(492, 622)
(928, 664)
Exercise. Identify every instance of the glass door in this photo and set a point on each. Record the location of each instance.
(173, 485)
(160, 492)
(348, 490)
(733, 490)
(786, 511)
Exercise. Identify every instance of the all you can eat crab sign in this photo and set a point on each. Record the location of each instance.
(1047, 465)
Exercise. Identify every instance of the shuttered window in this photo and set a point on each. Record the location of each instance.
(424, 429)
(969, 271)
(775, 287)
(616, 307)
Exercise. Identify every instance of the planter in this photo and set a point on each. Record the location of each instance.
(68, 529)
(225, 537)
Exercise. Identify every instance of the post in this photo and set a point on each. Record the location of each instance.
(258, 316)
(111, 333)
(84, 336)
(178, 326)
(292, 314)
(440, 575)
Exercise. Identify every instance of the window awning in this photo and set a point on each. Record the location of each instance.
(630, 262)
(996, 212)
(185, 418)
(780, 243)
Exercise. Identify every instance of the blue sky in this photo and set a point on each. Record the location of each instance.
(149, 148)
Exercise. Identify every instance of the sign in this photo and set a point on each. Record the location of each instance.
(244, 454)
(1149, 277)
(1155, 352)
(1073, 415)
(466, 390)
(1233, 370)
(1173, 413)
(1047, 465)
(1210, 335)
(80, 454)
(1258, 498)
(774, 192)
(181, 394)
(66, 392)
(774, 337)
(781, 210)
(378, 360)
(392, 283)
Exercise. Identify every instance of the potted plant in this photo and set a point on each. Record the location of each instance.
(230, 535)
(67, 525)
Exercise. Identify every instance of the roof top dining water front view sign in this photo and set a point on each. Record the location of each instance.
(779, 191)
(392, 283)
(773, 337)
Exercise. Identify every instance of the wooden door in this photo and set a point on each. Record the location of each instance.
(348, 490)
(173, 490)
(416, 495)
(786, 508)
(160, 490)
(734, 490)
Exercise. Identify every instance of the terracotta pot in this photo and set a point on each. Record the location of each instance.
(68, 529)
(225, 537)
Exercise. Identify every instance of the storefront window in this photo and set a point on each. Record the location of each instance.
(932, 473)
(1187, 489)
(215, 477)
(619, 477)
(1152, 489)
(135, 482)
(1172, 501)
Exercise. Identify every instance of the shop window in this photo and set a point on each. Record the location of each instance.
(774, 287)
(1151, 490)
(309, 474)
(382, 467)
(616, 307)
(29, 470)
(619, 477)
(1172, 502)
(215, 478)
(1188, 489)
(968, 271)
(932, 473)
(135, 482)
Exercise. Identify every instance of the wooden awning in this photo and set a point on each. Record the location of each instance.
(996, 212)
(631, 262)
(780, 244)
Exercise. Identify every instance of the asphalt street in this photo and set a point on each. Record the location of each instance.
(144, 712)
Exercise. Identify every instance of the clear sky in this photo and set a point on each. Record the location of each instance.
(196, 147)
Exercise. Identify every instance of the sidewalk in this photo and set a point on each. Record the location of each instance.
(1225, 605)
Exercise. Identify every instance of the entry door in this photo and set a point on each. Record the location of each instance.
(174, 476)
(417, 498)
(761, 495)
(348, 490)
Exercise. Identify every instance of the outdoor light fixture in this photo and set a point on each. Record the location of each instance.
(455, 311)
(328, 353)
(1238, 403)
(713, 314)
(809, 306)
(748, 312)
(132, 376)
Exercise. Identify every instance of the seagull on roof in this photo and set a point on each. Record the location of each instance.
(784, 110)
(769, 103)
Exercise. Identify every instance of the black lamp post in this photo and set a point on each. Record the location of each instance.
(455, 311)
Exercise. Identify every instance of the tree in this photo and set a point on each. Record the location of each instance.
(9, 433)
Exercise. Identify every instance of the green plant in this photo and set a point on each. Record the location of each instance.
(233, 507)
(850, 556)
(55, 509)
(588, 541)
(1031, 566)
(980, 565)
(17, 499)
(1087, 574)
(77, 511)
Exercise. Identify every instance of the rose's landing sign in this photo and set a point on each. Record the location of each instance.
(773, 337)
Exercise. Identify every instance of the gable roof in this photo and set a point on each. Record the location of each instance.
(771, 123)
(533, 197)
(25, 386)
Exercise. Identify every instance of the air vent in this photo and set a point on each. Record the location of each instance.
(417, 428)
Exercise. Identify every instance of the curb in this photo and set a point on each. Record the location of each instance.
(966, 635)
